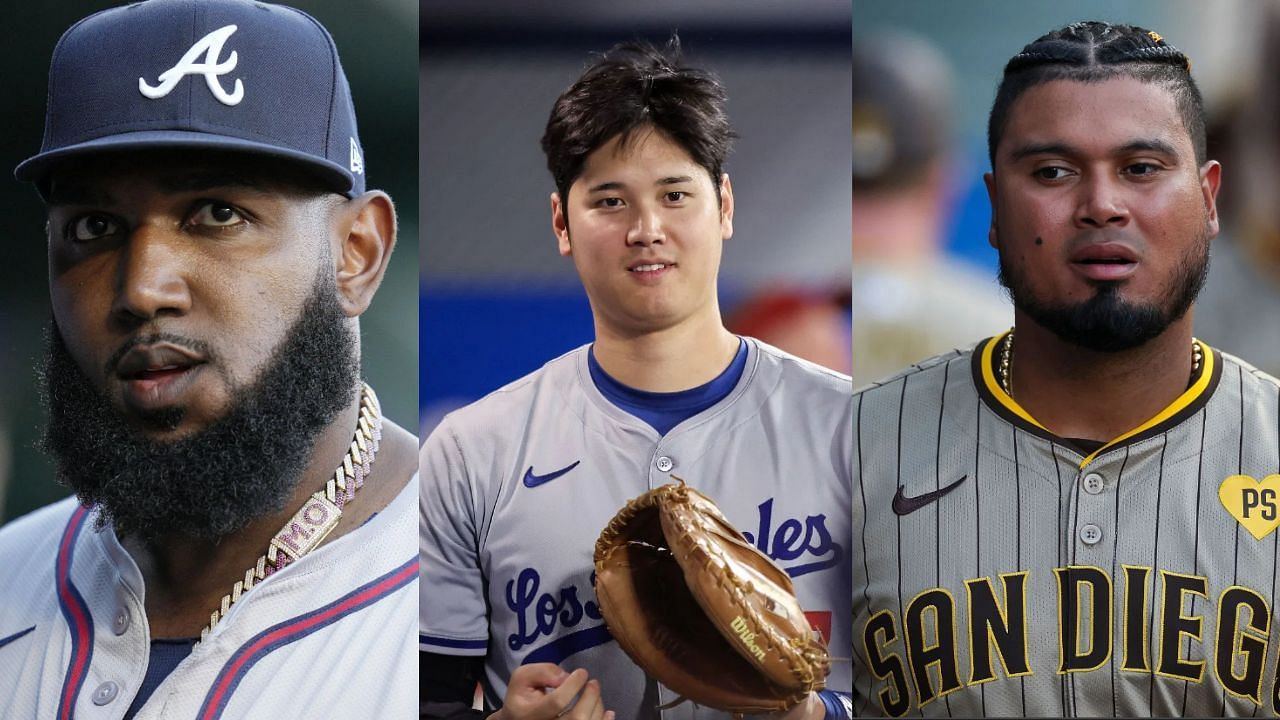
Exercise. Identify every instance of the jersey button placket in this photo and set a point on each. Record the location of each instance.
(1090, 534)
(664, 464)
(126, 624)
(1094, 508)
(120, 621)
(105, 693)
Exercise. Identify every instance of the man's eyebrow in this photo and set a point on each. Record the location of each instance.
(196, 182)
(616, 185)
(82, 193)
(73, 193)
(1148, 145)
(1057, 148)
(1049, 148)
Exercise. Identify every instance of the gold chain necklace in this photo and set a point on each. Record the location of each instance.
(320, 513)
(1006, 361)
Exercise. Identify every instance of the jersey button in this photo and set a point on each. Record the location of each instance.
(1093, 483)
(1090, 534)
(665, 464)
(120, 622)
(105, 693)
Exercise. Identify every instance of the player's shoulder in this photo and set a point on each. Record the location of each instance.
(940, 363)
(796, 372)
(1251, 378)
(513, 401)
(35, 535)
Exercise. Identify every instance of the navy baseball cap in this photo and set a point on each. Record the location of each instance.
(234, 75)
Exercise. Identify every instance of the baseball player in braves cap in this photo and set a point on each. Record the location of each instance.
(1077, 517)
(240, 543)
(517, 486)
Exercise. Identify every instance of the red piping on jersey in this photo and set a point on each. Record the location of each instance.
(297, 628)
(76, 612)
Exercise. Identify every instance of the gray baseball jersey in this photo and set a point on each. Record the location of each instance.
(1002, 571)
(517, 487)
(322, 638)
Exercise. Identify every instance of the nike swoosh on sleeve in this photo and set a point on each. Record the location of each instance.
(904, 505)
(533, 481)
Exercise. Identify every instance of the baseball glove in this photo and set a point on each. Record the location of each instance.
(701, 609)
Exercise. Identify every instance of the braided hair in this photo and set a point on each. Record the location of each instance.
(1092, 52)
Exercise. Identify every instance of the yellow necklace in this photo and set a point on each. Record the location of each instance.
(1006, 361)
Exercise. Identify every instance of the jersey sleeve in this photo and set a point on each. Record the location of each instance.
(452, 612)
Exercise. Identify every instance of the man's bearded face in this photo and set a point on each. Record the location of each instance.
(212, 482)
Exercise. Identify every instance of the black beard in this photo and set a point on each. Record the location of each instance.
(1107, 322)
(212, 483)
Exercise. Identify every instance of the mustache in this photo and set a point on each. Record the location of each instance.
(194, 346)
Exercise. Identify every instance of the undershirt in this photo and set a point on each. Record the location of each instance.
(663, 411)
(165, 656)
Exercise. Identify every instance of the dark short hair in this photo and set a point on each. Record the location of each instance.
(632, 86)
(1092, 52)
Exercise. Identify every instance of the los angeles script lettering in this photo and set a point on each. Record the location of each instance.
(795, 539)
(539, 614)
(536, 615)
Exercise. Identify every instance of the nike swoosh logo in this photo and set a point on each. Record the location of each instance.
(15, 636)
(533, 481)
(904, 505)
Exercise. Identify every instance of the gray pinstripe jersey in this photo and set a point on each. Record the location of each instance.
(1000, 571)
(517, 487)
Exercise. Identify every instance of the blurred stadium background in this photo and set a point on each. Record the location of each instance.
(497, 301)
(377, 41)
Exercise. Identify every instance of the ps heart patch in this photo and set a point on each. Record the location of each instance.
(1256, 505)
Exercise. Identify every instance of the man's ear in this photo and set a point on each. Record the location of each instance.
(1210, 180)
(989, 179)
(560, 224)
(365, 235)
(726, 207)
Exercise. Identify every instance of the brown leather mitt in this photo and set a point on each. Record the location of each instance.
(701, 609)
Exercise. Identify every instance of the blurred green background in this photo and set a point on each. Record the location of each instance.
(378, 43)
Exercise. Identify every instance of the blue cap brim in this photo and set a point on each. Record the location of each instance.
(36, 168)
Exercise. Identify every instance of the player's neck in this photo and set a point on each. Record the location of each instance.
(185, 577)
(1079, 393)
(672, 359)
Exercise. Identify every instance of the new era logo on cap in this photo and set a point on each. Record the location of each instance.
(357, 160)
(231, 75)
(210, 46)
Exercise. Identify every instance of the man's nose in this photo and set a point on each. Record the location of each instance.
(647, 228)
(153, 274)
(1102, 203)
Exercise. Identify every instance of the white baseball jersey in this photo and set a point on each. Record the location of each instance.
(322, 638)
(517, 487)
(1002, 570)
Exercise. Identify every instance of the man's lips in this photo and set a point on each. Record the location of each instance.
(650, 269)
(1105, 261)
(144, 360)
(155, 376)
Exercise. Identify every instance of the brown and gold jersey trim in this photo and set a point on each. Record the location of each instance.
(1187, 404)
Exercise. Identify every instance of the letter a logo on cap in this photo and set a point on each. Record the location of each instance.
(210, 46)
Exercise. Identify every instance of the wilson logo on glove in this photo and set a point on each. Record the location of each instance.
(748, 638)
